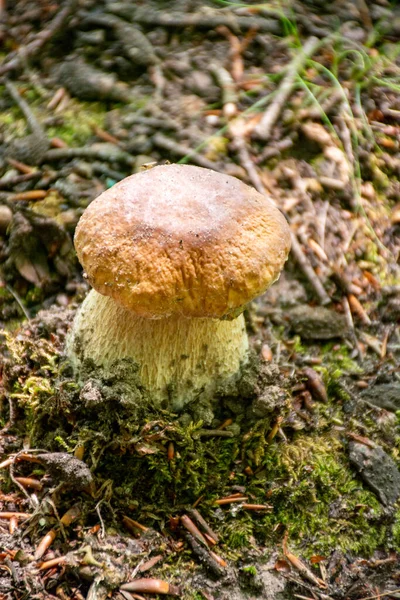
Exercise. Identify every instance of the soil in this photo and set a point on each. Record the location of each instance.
(286, 484)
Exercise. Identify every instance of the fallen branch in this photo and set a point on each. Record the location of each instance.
(88, 153)
(230, 500)
(6, 184)
(236, 130)
(207, 433)
(156, 123)
(133, 525)
(301, 567)
(382, 595)
(205, 556)
(350, 325)
(264, 127)
(202, 523)
(308, 271)
(193, 530)
(53, 562)
(24, 52)
(200, 20)
(228, 87)
(24, 107)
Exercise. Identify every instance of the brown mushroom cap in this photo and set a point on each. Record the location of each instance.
(178, 239)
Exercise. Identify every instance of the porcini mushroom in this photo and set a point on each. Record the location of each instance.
(174, 254)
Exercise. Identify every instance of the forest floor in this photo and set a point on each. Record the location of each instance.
(288, 488)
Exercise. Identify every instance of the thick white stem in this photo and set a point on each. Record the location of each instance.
(178, 358)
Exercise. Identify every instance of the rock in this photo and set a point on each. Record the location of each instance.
(273, 398)
(202, 411)
(90, 395)
(286, 292)
(384, 395)
(378, 470)
(67, 469)
(5, 218)
(317, 323)
(352, 31)
(201, 83)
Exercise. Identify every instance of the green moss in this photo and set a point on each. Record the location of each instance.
(337, 360)
(251, 570)
(298, 346)
(237, 532)
(396, 532)
(12, 120)
(306, 481)
(318, 500)
(78, 120)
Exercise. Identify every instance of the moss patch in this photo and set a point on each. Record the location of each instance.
(78, 120)
(150, 464)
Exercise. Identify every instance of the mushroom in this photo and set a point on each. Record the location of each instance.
(174, 254)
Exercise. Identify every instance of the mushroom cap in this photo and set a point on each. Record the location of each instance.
(178, 239)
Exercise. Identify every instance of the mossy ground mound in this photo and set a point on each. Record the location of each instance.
(150, 465)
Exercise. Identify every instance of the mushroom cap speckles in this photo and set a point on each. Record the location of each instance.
(178, 239)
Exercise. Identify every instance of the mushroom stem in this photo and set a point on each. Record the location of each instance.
(179, 358)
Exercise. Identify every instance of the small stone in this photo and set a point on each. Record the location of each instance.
(62, 300)
(395, 216)
(95, 37)
(67, 469)
(199, 83)
(352, 31)
(273, 398)
(378, 470)
(90, 395)
(384, 395)
(266, 353)
(203, 412)
(5, 218)
(268, 374)
(317, 323)
(69, 218)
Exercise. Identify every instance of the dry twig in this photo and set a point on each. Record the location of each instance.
(308, 271)
(202, 523)
(228, 87)
(59, 21)
(270, 116)
(89, 153)
(191, 527)
(201, 20)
